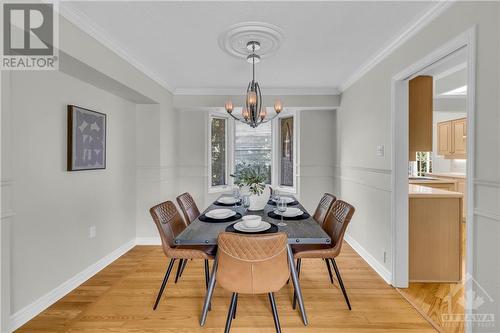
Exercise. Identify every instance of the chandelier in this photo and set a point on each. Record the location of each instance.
(253, 113)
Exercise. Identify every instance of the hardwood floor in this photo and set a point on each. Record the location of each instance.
(435, 300)
(120, 299)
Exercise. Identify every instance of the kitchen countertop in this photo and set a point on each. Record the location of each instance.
(447, 174)
(417, 191)
(433, 181)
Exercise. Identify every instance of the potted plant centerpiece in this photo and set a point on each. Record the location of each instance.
(252, 181)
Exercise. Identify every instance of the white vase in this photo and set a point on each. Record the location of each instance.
(257, 201)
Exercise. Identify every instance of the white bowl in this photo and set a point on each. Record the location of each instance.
(290, 212)
(227, 200)
(219, 213)
(252, 221)
(285, 199)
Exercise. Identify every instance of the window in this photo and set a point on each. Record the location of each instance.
(424, 163)
(286, 158)
(218, 151)
(272, 147)
(253, 146)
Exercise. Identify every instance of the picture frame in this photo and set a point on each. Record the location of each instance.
(86, 140)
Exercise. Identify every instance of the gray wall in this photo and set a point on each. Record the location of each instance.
(54, 208)
(365, 120)
(46, 211)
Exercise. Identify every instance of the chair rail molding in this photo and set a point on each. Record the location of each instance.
(364, 169)
(487, 183)
(487, 215)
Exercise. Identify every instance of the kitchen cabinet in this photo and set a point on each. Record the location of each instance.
(461, 186)
(444, 138)
(420, 115)
(452, 138)
(434, 235)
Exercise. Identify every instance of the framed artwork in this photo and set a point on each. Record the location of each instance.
(86, 139)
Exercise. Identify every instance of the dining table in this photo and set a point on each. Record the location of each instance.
(303, 231)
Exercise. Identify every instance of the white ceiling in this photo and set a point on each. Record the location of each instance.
(326, 42)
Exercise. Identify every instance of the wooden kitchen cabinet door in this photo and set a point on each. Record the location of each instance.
(444, 138)
(420, 114)
(459, 130)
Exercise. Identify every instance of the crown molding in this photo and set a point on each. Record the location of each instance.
(268, 91)
(411, 30)
(84, 23)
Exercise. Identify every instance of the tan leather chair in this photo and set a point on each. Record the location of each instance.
(324, 206)
(335, 226)
(252, 264)
(170, 224)
(188, 207)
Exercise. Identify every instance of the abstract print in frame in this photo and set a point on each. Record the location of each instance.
(86, 139)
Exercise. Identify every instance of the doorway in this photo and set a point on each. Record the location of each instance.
(439, 63)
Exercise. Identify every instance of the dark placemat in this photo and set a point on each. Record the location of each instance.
(304, 216)
(216, 203)
(272, 230)
(293, 203)
(204, 218)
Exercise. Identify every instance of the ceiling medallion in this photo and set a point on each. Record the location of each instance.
(235, 39)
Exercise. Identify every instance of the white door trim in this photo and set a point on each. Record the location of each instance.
(399, 113)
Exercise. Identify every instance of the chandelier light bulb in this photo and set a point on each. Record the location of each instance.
(263, 114)
(245, 113)
(278, 106)
(229, 106)
(252, 98)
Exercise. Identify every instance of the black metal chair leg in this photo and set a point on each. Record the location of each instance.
(230, 313)
(184, 264)
(207, 279)
(337, 272)
(329, 270)
(178, 270)
(164, 283)
(275, 313)
(299, 264)
(235, 307)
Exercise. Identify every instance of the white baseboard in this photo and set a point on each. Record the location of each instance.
(374, 263)
(148, 241)
(28, 312)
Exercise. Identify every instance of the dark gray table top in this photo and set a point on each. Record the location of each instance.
(305, 231)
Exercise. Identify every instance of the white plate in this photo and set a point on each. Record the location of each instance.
(285, 199)
(241, 227)
(227, 200)
(290, 212)
(220, 214)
